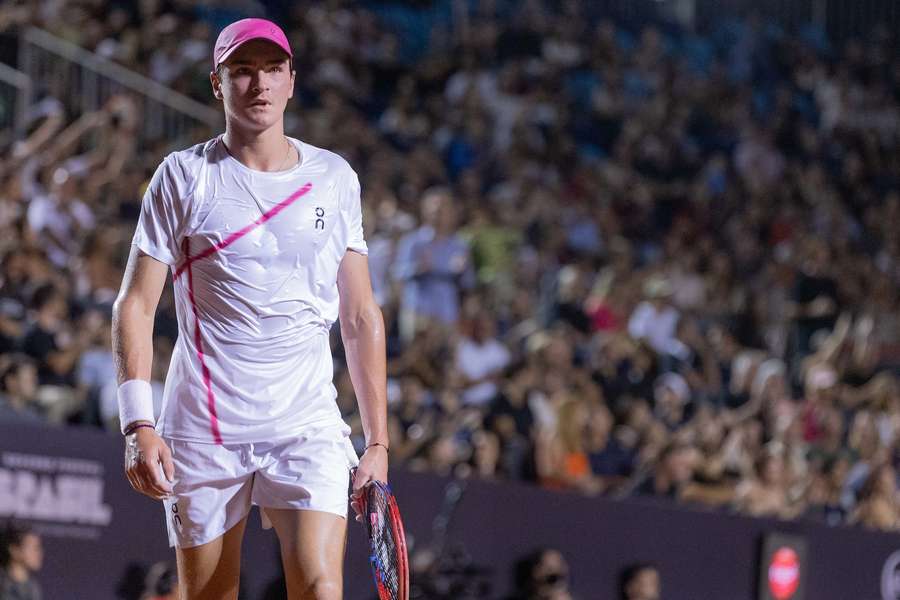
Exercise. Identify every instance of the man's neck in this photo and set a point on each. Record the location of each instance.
(17, 573)
(268, 150)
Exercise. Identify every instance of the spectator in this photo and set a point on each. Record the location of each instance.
(656, 320)
(816, 302)
(60, 217)
(767, 493)
(485, 453)
(96, 369)
(609, 454)
(19, 384)
(431, 262)
(671, 399)
(543, 575)
(560, 455)
(640, 582)
(673, 472)
(43, 339)
(825, 497)
(21, 558)
(480, 360)
(878, 505)
(56, 348)
(161, 583)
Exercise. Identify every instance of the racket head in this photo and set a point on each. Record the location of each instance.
(387, 541)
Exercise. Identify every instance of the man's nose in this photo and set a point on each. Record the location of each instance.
(260, 80)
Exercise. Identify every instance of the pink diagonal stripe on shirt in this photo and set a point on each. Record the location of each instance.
(198, 342)
(189, 260)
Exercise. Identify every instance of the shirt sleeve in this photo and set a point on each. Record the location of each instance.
(161, 224)
(352, 215)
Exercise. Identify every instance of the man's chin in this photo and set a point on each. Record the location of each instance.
(258, 121)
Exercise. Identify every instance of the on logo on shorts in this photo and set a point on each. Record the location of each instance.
(176, 518)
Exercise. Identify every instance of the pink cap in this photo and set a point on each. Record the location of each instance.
(245, 30)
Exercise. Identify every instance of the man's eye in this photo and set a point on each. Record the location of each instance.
(277, 68)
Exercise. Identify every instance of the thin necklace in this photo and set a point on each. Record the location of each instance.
(287, 158)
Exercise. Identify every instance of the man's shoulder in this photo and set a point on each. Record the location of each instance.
(190, 159)
(333, 161)
(178, 171)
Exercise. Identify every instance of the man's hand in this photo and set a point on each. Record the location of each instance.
(145, 451)
(373, 466)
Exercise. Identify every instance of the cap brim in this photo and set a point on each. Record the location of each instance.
(227, 54)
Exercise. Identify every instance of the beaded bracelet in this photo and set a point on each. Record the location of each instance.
(134, 428)
(379, 444)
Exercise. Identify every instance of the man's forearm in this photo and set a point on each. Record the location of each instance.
(132, 340)
(364, 344)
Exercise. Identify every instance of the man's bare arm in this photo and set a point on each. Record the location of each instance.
(133, 316)
(132, 339)
(362, 329)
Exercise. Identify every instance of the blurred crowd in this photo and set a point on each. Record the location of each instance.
(624, 259)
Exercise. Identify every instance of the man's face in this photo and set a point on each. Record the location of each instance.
(30, 553)
(680, 465)
(644, 586)
(255, 84)
(551, 575)
(26, 383)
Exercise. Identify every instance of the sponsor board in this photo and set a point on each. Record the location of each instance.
(782, 567)
(63, 496)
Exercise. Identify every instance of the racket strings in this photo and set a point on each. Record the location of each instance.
(384, 548)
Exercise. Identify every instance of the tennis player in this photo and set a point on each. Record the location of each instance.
(263, 238)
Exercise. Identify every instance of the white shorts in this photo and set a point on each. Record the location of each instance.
(215, 485)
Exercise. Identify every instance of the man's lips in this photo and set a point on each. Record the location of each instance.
(260, 103)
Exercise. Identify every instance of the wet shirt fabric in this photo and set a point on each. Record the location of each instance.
(254, 257)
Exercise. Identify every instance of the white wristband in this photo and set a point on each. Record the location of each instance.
(135, 402)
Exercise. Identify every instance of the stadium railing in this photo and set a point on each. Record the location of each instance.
(86, 81)
(15, 89)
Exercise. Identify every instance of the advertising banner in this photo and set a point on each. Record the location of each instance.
(69, 484)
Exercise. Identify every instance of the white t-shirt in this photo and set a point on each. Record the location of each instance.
(254, 258)
(476, 361)
(658, 327)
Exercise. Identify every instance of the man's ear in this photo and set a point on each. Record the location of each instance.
(216, 84)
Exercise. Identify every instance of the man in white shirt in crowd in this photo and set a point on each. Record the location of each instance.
(656, 320)
(433, 264)
(480, 360)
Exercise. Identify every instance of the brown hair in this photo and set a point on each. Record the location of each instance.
(569, 428)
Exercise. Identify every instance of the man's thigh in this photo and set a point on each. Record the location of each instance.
(212, 491)
(212, 571)
(312, 552)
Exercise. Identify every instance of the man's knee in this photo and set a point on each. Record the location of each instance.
(323, 589)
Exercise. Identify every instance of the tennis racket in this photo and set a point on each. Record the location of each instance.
(387, 542)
